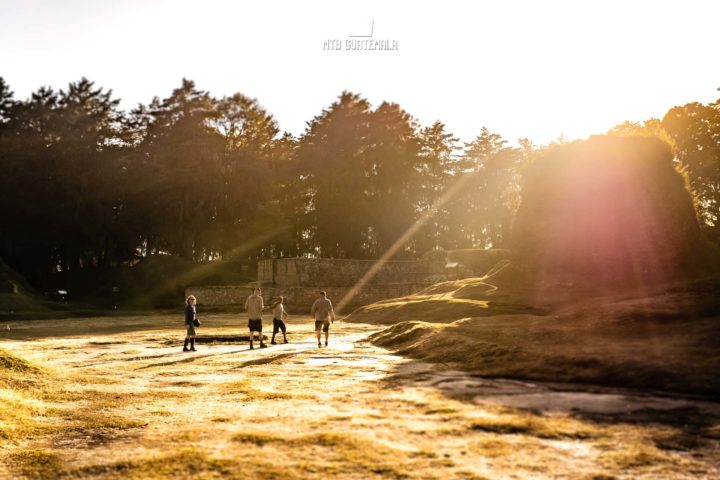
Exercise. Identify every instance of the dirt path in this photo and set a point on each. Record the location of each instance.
(125, 402)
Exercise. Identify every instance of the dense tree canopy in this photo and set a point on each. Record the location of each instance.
(87, 184)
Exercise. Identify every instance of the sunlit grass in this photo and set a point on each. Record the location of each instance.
(258, 438)
(636, 456)
(408, 301)
(351, 452)
(300, 414)
(536, 426)
(12, 363)
(187, 463)
(89, 422)
(36, 463)
(249, 392)
(162, 413)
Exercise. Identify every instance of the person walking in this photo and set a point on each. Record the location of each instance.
(322, 310)
(279, 315)
(191, 321)
(254, 306)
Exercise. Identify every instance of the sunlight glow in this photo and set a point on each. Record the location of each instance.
(200, 270)
(403, 239)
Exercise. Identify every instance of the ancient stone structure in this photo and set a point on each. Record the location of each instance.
(300, 280)
(328, 272)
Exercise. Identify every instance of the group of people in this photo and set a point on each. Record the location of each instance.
(321, 310)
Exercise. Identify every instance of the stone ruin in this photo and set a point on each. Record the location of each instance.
(300, 279)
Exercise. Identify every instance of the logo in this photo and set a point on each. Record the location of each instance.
(361, 43)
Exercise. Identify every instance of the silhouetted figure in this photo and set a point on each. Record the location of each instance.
(191, 321)
(254, 306)
(322, 310)
(279, 315)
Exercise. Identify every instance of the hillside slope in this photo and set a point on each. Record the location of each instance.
(610, 280)
(16, 295)
(669, 341)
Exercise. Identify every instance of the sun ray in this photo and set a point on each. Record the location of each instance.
(451, 191)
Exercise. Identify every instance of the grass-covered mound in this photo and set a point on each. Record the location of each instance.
(19, 383)
(16, 295)
(444, 302)
(611, 212)
(669, 341)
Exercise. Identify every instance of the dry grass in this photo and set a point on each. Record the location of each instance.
(23, 410)
(296, 412)
(10, 363)
(257, 438)
(537, 426)
(188, 463)
(36, 463)
(248, 392)
(619, 342)
(633, 458)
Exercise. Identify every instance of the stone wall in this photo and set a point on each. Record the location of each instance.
(220, 294)
(299, 298)
(326, 273)
(300, 279)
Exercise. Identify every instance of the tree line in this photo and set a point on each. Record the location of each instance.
(86, 184)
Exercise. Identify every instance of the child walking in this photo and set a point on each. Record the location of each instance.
(191, 321)
(279, 315)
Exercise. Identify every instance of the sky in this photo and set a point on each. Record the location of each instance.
(521, 68)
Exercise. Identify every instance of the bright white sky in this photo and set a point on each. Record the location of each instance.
(534, 68)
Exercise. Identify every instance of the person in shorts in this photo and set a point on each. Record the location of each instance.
(279, 315)
(322, 310)
(190, 319)
(254, 306)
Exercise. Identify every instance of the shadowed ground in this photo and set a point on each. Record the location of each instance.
(116, 398)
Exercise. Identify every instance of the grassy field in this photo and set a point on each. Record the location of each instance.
(116, 398)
